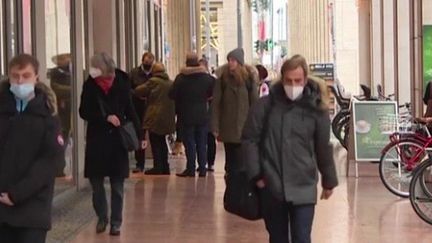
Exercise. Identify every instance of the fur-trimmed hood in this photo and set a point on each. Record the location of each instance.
(193, 70)
(315, 93)
(224, 71)
(51, 98)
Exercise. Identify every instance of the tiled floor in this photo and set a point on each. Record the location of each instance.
(179, 210)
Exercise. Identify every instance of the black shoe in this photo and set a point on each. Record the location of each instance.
(101, 226)
(166, 170)
(115, 230)
(210, 169)
(186, 173)
(203, 174)
(199, 169)
(137, 170)
(154, 171)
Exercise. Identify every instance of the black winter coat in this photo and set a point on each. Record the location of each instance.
(293, 147)
(191, 91)
(31, 147)
(104, 154)
(138, 77)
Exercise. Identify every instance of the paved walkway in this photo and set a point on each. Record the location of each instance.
(186, 210)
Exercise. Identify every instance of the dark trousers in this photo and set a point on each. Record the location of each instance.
(160, 151)
(195, 142)
(232, 156)
(211, 149)
(179, 132)
(11, 234)
(100, 204)
(285, 221)
(140, 158)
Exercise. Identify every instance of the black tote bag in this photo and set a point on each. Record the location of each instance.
(241, 196)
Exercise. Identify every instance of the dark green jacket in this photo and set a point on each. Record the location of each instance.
(160, 114)
(231, 103)
(296, 145)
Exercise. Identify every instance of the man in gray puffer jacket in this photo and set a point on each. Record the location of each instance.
(284, 156)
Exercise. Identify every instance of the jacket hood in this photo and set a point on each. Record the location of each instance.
(161, 75)
(51, 98)
(315, 94)
(193, 70)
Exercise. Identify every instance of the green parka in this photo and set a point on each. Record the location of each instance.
(160, 114)
(231, 102)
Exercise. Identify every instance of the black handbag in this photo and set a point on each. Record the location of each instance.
(128, 135)
(241, 195)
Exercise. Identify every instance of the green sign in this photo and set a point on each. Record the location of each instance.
(427, 54)
(371, 135)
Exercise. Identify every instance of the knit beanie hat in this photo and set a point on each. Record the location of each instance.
(237, 54)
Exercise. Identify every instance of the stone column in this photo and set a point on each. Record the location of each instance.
(178, 33)
(104, 27)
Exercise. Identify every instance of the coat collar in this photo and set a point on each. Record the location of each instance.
(193, 70)
(45, 97)
(312, 95)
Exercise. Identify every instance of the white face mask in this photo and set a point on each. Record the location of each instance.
(95, 72)
(293, 92)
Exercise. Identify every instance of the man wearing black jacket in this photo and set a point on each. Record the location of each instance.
(191, 90)
(30, 148)
(138, 76)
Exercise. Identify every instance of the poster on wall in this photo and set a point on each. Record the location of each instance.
(325, 71)
(427, 54)
(370, 137)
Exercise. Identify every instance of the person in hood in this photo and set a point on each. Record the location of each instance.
(159, 120)
(106, 105)
(30, 149)
(191, 91)
(264, 86)
(286, 141)
(234, 92)
(61, 83)
(138, 76)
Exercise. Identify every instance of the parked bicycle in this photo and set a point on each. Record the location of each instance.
(341, 121)
(409, 146)
(420, 191)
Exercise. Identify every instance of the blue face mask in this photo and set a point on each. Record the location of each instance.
(22, 91)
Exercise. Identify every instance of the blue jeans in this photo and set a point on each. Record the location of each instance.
(285, 221)
(100, 203)
(195, 142)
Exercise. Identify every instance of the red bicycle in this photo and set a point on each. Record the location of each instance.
(407, 149)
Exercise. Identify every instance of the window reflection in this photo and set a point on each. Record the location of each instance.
(2, 43)
(26, 18)
(59, 66)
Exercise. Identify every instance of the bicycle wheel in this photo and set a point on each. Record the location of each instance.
(345, 141)
(343, 130)
(337, 120)
(420, 197)
(397, 163)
